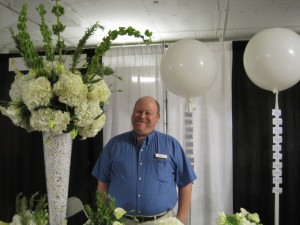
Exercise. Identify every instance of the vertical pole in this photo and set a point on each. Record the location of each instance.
(189, 144)
(277, 156)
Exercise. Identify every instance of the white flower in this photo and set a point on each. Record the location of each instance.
(241, 218)
(16, 87)
(13, 112)
(92, 129)
(87, 112)
(244, 221)
(16, 220)
(169, 221)
(254, 217)
(36, 92)
(221, 219)
(99, 91)
(117, 223)
(57, 120)
(70, 89)
(119, 212)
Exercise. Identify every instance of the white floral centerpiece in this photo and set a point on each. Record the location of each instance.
(169, 221)
(241, 218)
(105, 211)
(33, 211)
(53, 97)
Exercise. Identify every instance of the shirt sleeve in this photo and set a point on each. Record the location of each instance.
(185, 173)
(101, 170)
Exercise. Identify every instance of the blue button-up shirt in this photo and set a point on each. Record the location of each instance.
(143, 179)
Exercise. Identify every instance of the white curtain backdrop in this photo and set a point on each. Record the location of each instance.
(139, 67)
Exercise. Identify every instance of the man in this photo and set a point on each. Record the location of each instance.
(142, 169)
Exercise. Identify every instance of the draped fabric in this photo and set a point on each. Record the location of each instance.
(139, 68)
(212, 191)
(22, 167)
(252, 146)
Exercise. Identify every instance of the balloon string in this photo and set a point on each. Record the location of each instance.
(189, 105)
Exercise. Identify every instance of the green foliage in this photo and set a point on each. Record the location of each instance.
(103, 212)
(94, 66)
(90, 31)
(24, 43)
(47, 34)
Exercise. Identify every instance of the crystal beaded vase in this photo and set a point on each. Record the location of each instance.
(57, 156)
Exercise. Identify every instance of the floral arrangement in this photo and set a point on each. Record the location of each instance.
(241, 218)
(169, 221)
(33, 212)
(105, 211)
(55, 98)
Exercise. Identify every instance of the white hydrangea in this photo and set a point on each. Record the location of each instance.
(41, 120)
(169, 221)
(34, 98)
(70, 89)
(92, 129)
(87, 112)
(16, 87)
(36, 92)
(99, 91)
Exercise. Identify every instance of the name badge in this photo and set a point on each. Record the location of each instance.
(161, 156)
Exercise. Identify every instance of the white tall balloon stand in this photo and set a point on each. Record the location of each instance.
(188, 137)
(277, 157)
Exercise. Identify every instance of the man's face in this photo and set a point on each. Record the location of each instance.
(145, 116)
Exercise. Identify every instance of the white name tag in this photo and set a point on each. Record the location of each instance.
(161, 156)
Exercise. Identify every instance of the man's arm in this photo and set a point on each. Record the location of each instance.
(102, 187)
(185, 195)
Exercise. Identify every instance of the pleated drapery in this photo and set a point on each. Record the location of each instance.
(139, 67)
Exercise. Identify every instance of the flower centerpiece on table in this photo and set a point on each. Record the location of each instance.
(58, 98)
(241, 218)
(33, 212)
(169, 221)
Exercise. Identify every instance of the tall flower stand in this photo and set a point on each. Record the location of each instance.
(57, 156)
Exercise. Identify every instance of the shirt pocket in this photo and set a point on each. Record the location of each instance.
(163, 170)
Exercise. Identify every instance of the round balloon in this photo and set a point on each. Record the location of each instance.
(188, 68)
(272, 59)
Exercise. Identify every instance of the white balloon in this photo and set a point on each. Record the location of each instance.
(272, 59)
(188, 68)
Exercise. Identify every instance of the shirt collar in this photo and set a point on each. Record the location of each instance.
(147, 139)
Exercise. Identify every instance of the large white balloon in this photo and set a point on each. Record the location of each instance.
(188, 68)
(272, 59)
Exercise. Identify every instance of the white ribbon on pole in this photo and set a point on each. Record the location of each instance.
(189, 137)
(277, 156)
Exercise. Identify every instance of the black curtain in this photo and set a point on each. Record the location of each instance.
(252, 146)
(22, 160)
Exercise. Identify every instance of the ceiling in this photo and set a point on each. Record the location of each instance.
(169, 20)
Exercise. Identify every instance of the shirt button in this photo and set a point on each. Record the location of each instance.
(139, 195)
(142, 150)
(140, 178)
(141, 163)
